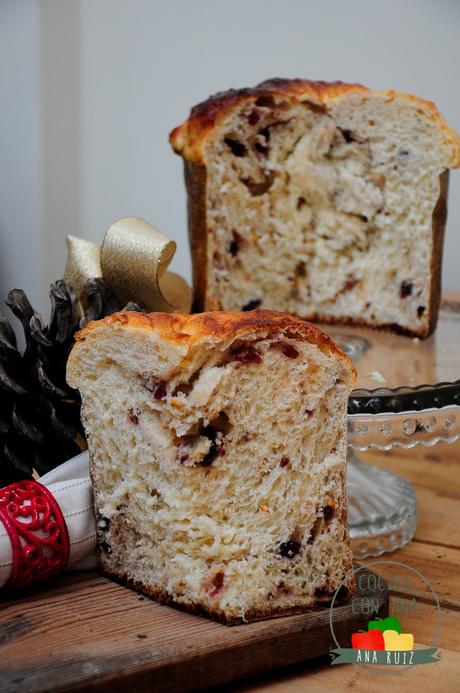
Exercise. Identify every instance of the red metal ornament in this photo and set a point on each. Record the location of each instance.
(37, 531)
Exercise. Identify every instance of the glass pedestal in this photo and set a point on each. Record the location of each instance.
(416, 402)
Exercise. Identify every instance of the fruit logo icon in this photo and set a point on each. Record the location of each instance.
(372, 640)
(383, 635)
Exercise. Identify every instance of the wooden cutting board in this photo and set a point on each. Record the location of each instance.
(86, 633)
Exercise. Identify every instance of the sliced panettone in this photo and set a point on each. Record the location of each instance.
(325, 200)
(218, 458)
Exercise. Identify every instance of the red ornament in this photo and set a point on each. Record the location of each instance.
(37, 531)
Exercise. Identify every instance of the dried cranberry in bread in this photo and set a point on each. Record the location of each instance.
(325, 200)
(218, 454)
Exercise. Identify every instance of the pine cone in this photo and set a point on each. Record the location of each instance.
(39, 413)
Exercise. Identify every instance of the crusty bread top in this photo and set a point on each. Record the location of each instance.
(180, 328)
(189, 138)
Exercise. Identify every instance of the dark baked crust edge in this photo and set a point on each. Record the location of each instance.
(439, 220)
(196, 185)
(252, 615)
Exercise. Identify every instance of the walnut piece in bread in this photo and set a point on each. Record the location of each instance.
(218, 457)
(325, 200)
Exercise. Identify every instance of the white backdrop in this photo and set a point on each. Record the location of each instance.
(90, 90)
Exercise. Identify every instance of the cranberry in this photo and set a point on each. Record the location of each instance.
(284, 462)
(157, 388)
(289, 549)
(405, 289)
(160, 391)
(420, 311)
(134, 416)
(350, 282)
(253, 118)
(235, 244)
(290, 351)
(246, 354)
(218, 580)
(216, 584)
(309, 412)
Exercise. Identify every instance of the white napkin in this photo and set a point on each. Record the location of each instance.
(70, 485)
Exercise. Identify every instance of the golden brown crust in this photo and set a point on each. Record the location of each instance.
(251, 615)
(189, 138)
(180, 328)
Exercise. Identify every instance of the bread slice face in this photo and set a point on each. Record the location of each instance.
(218, 456)
(327, 201)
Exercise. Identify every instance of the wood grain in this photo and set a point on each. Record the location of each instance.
(93, 633)
(322, 678)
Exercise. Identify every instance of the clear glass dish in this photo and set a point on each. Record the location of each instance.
(408, 393)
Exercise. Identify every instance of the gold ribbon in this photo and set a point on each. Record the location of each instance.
(132, 260)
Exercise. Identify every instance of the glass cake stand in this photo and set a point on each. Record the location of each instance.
(407, 394)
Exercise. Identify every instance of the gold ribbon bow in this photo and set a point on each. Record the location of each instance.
(132, 260)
